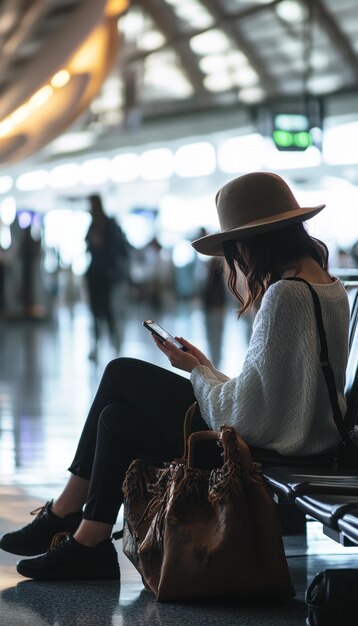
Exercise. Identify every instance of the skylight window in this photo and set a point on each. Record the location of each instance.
(192, 12)
(251, 95)
(212, 41)
(175, 84)
(291, 11)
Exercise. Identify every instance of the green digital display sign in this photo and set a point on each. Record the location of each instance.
(291, 132)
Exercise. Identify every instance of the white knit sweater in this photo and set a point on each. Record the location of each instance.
(280, 401)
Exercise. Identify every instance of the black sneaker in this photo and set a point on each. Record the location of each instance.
(35, 538)
(67, 559)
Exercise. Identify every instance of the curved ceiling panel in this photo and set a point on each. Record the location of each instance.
(55, 48)
(10, 146)
(59, 82)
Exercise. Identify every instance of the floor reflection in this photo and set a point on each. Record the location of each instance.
(47, 381)
(65, 604)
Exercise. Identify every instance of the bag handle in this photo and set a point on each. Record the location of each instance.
(234, 446)
(187, 427)
(325, 363)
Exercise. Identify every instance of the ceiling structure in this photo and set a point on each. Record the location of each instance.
(176, 58)
(55, 57)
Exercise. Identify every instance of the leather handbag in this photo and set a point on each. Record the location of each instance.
(205, 534)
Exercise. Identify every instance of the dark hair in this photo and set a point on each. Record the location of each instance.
(260, 257)
(96, 202)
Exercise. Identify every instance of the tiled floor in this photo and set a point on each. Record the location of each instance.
(46, 385)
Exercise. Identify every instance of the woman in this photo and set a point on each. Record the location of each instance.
(278, 403)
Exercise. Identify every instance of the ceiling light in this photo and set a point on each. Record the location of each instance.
(291, 160)
(8, 210)
(110, 98)
(213, 63)
(66, 175)
(236, 58)
(194, 13)
(156, 164)
(220, 81)
(196, 159)
(19, 115)
(5, 238)
(251, 95)
(124, 167)
(232, 61)
(6, 183)
(183, 213)
(245, 77)
(131, 24)
(95, 171)
(212, 41)
(324, 84)
(32, 181)
(240, 154)
(41, 96)
(71, 142)
(340, 144)
(319, 61)
(175, 84)
(60, 79)
(151, 40)
(291, 11)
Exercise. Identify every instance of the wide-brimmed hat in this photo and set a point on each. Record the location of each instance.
(251, 204)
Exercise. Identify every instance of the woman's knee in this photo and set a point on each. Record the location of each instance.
(122, 367)
(111, 419)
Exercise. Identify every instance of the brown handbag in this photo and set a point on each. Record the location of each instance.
(205, 534)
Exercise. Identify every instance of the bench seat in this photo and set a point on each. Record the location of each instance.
(348, 525)
(289, 482)
(327, 508)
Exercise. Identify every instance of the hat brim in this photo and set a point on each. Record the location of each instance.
(212, 244)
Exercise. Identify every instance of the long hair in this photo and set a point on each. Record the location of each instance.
(259, 259)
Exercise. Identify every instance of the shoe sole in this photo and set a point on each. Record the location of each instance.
(88, 575)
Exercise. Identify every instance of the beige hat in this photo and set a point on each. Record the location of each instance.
(251, 204)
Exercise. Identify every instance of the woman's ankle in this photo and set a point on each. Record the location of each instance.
(61, 510)
(90, 533)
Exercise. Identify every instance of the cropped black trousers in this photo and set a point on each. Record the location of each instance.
(138, 410)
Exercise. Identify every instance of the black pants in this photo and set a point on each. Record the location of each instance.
(138, 410)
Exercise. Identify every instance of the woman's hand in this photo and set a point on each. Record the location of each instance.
(185, 361)
(203, 360)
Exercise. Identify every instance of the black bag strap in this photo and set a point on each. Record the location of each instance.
(325, 363)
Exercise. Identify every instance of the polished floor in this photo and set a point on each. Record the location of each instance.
(46, 385)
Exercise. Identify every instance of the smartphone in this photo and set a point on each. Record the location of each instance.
(162, 334)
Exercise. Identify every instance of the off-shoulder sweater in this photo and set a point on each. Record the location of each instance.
(279, 401)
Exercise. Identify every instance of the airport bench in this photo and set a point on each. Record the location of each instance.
(348, 525)
(332, 511)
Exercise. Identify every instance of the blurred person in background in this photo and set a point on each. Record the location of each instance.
(109, 252)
